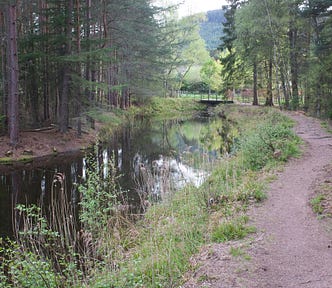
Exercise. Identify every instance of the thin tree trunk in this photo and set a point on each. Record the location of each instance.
(269, 98)
(64, 99)
(13, 95)
(4, 75)
(255, 90)
(292, 34)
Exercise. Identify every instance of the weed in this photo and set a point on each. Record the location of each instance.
(203, 278)
(238, 252)
(316, 204)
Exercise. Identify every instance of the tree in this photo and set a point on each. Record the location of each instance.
(248, 43)
(64, 96)
(211, 75)
(229, 58)
(317, 72)
(13, 74)
(194, 54)
(74, 55)
(184, 49)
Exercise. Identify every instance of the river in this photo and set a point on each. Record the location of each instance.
(152, 159)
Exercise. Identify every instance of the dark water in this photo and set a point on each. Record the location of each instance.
(152, 158)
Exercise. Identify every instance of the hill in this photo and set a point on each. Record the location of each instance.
(211, 28)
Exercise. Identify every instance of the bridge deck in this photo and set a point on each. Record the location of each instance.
(215, 101)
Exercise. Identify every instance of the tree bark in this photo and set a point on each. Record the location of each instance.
(64, 99)
(269, 97)
(13, 93)
(255, 91)
(4, 80)
(293, 34)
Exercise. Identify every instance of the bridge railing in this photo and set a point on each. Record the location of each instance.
(200, 96)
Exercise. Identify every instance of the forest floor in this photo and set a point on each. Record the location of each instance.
(44, 142)
(292, 246)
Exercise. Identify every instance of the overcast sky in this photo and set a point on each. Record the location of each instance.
(194, 6)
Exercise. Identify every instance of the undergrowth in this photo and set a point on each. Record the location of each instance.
(156, 251)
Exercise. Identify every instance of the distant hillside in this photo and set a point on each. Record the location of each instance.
(211, 29)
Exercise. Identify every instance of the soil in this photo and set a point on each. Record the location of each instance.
(42, 143)
(293, 245)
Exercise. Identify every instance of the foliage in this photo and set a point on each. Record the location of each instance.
(285, 46)
(210, 73)
(229, 60)
(76, 55)
(186, 50)
(170, 107)
(99, 197)
(26, 269)
(39, 257)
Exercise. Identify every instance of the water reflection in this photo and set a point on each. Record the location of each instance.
(152, 158)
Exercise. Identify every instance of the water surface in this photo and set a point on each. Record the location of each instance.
(152, 159)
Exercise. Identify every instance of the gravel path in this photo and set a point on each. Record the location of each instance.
(297, 249)
(292, 248)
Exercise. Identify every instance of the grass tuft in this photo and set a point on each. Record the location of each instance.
(234, 229)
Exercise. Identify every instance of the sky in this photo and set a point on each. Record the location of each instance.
(195, 6)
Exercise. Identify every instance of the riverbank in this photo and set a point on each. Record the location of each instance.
(38, 144)
(156, 250)
(49, 142)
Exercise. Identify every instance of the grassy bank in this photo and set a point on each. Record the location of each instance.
(171, 232)
(156, 108)
(161, 108)
(155, 251)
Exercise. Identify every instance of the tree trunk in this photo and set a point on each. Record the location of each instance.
(255, 91)
(269, 97)
(292, 34)
(64, 102)
(64, 98)
(4, 74)
(284, 88)
(13, 93)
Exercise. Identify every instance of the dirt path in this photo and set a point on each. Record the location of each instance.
(292, 248)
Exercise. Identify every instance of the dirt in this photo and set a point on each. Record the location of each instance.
(293, 245)
(43, 143)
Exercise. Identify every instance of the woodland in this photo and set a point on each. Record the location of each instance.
(64, 60)
(61, 58)
(282, 47)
